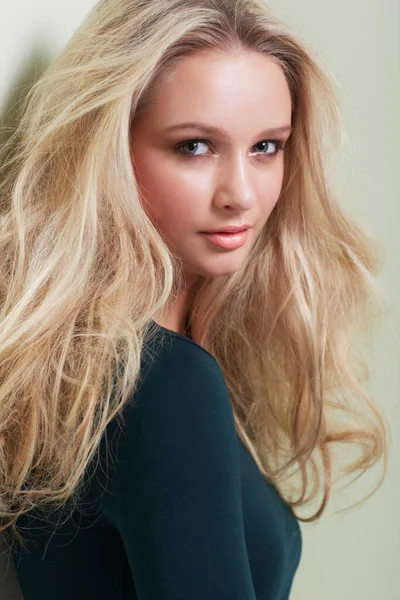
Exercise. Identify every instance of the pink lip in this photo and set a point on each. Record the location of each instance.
(228, 229)
(228, 240)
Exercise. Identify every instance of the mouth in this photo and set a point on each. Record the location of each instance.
(229, 240)
(229, 229)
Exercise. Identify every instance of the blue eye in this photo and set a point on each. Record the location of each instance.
(188, 143)
(277, 145)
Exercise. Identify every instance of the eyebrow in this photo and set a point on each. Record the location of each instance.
(212, 130)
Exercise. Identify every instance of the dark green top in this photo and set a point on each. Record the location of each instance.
(179, 511)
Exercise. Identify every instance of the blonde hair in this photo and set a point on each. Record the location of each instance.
(84, 271)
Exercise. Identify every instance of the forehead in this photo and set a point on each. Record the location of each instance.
(223, 87)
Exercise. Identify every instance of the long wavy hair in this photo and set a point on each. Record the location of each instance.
(83, 271)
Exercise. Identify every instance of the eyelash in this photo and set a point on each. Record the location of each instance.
(178, 147)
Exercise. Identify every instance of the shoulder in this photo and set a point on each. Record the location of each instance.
(172, 362)
(179, 419)
(166, 344)
(181, 388)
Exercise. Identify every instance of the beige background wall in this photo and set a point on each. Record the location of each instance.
(354, 556)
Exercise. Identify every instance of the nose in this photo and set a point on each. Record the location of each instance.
(234, 186)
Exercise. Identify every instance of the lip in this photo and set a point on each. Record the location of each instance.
(228, 240)
(229, 229)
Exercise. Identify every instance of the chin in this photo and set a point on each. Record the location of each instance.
(223, 271)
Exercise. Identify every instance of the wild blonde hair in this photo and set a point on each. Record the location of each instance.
(84, 271)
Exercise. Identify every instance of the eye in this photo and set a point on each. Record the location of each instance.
(180, 147)
(276, 145)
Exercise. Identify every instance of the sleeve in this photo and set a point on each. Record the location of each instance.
(176, 491)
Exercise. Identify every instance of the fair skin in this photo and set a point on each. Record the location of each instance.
(217, 179)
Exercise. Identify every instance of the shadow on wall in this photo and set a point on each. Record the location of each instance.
(34, 66)
(37, 61)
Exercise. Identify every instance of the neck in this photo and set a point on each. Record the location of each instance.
(175, 315)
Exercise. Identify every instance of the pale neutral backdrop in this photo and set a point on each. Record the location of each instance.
(355, 555)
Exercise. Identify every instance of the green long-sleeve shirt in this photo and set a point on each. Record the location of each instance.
(177, 511)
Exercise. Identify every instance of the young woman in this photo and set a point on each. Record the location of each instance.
(168, 395)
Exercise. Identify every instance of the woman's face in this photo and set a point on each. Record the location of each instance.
(194, 179)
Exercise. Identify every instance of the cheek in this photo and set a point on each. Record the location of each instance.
(170, 197)
(271, 196)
